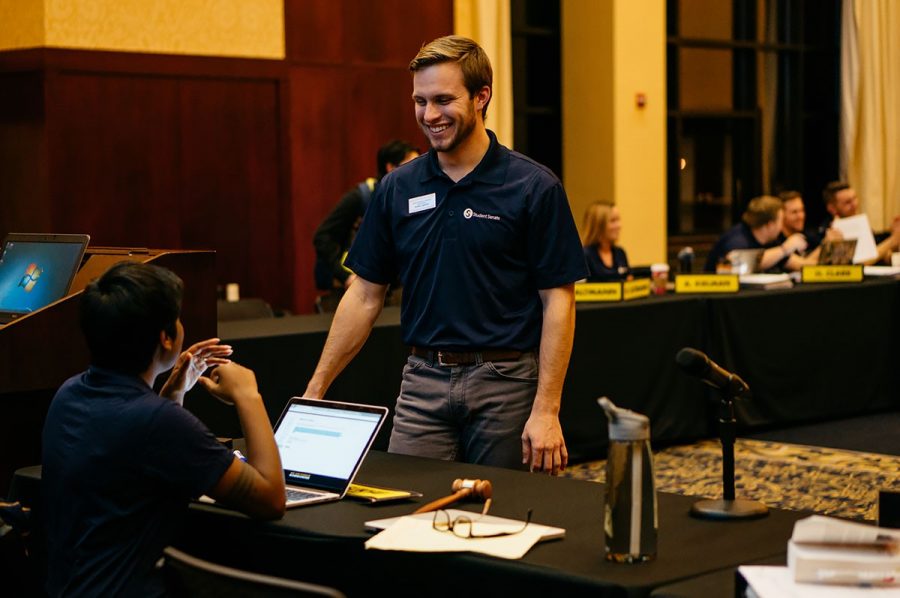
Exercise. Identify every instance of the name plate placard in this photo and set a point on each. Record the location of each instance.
(612, 291)
(707, 283)
(598, 291)
(848, 273)
(636, 289)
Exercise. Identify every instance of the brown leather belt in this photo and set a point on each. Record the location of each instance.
(451, 358)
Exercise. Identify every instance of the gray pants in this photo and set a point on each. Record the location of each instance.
(473, 413)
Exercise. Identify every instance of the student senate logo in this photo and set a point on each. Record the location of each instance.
(469, 213)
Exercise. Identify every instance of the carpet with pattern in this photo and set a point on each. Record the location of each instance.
(787, 476)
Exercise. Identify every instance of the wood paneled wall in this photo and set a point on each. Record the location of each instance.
(351, 91)
(151, 151)
(238, 155)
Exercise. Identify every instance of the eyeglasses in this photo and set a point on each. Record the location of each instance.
(463, 526)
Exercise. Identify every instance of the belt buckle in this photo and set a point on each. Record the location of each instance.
(440, 360)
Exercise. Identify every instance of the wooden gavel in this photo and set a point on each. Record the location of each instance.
(461, 489)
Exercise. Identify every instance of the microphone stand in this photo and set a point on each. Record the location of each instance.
(728, 507)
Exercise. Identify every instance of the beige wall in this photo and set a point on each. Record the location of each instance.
(613, 149)
(245, 28)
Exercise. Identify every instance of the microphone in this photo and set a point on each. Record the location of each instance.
(697, 363)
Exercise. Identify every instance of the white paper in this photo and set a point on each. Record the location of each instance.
(819, 529)
(881, 270)
(414, 533)
(764, 278)
(857, 227)
(777, 582)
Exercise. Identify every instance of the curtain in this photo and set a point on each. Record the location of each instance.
(870, 105)
(769, 98)
(488, 23)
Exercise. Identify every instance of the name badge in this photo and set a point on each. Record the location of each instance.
(422, 203)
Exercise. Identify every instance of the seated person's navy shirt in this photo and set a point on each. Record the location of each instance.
(738, 236)
(471, 255)
(120, 464)
(599, 272)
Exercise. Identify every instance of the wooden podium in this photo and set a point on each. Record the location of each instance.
(40, 351)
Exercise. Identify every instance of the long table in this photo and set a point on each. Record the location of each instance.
(809, 353)
(325, 543)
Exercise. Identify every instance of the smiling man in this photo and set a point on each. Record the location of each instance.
(483, 240)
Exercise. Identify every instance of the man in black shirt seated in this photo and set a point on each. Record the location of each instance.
(841, 201)
(121, 462)
(759, 229)
(335, 234)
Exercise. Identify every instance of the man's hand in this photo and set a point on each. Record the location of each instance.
(895, 233)
(833, 234)
(231, 383)
(794, 244)
(543, 445)
(191, 364)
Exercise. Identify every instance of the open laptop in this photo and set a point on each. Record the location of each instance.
(36, 270)
(322, 445)
(745, 261)
(837, 253)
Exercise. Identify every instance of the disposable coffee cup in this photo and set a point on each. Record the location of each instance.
(659, 275)
(232, 292)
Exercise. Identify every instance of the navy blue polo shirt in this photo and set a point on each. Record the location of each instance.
(120, 464)
(471, 255)
(738, 236)
(600, 272)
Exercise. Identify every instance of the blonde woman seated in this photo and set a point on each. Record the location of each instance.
(600, 231)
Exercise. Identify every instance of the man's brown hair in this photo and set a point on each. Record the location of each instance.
(761, 211)
(829, 193)
(471, 58)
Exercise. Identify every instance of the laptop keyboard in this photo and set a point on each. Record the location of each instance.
(293, 495)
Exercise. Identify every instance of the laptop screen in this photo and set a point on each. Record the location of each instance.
(321, 443)
(36, 271)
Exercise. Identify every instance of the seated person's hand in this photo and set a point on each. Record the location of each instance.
(191, 364)
(833, 234)
(794, 244)
(231, 383)
(895, 233)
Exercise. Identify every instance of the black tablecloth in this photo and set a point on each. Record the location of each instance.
(811, 352)
(324, 543)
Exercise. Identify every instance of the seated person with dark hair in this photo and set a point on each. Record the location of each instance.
(841, 201)
(759, 228)
(600, 230)
(120, 462)
(335, 234)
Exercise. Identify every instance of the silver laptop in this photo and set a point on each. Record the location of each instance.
(322, 445)
(745, 261)
(36, 270)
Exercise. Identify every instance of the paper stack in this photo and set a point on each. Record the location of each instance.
(832, 551)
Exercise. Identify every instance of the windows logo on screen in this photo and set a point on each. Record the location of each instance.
(32, 273)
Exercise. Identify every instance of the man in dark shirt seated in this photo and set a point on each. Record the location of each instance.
(759, 228)
(120, 462)
(841, 201)
(335, 234)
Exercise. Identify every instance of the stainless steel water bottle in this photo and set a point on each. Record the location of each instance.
(630, 519)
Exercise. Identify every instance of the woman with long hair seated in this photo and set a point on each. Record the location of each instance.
(600, 231)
